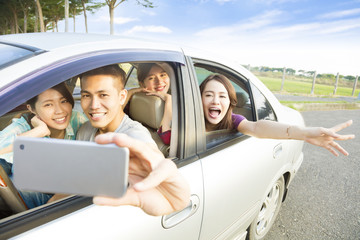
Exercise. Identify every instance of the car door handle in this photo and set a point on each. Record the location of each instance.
(277, 151)
(171, 220)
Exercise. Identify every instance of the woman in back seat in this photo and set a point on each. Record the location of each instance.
(155, 81)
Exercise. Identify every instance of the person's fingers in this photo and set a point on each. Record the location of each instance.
(342, 126)
(164, 170)
(339, 148)
(122, 140)
(130, 198)
(330, 132)
(330, 149)
(345, 137)
(143, 151)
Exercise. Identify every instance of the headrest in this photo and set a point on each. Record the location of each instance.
(242, 98)
(147, 110)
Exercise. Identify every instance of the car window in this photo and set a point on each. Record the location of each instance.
(144, 109)
(131, 75)
(263, 107)
(244, 106)
(12, 53)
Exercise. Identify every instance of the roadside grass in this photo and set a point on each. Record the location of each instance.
(318, 105)
(297, 87)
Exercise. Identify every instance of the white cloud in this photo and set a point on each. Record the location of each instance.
(253, 23)
(341, 26)
(270, 2)
(340, 14)
(148, 12)
(149, 29)
(266, 39)
(313, 29)
(223, 1)
(117, 20)
(121, 20)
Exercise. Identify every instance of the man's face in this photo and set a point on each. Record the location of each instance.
(102, 102)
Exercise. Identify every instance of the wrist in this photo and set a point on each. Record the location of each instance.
(43, 131)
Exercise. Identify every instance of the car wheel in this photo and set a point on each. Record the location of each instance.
(268, 212)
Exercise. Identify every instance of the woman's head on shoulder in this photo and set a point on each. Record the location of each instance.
(218, 98)
(153, 77)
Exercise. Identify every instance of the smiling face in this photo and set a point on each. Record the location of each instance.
(157, 80)
(102, 100)
(53, 109)
(216, 102)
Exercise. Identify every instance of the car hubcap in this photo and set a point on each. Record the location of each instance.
(268, 209)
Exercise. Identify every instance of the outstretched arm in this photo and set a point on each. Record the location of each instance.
(318, 136)
(156, 185)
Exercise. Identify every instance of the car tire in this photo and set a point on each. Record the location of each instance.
(268, 211)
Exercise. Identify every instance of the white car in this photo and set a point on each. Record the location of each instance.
(237, 182)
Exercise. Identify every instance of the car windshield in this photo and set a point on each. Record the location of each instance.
(10, 54)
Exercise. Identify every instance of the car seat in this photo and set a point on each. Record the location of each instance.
(9, 194)
(149, 110)
(241, 107)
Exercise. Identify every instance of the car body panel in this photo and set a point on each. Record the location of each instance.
(124, 222)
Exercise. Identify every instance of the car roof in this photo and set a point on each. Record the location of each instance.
(50, 41)
(58, 46)
(53, 47)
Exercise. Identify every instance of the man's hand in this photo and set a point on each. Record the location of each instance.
(156, 185)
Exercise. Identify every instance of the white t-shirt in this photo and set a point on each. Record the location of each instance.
(127, 126)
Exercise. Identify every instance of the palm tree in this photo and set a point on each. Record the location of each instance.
(41, 18)
(114, 3)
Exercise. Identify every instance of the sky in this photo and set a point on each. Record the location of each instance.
(310, 35)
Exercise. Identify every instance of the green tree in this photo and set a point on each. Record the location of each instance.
(11, 6)
(290, 71)
(112, 4)
(75, 8)
(5, 18)
(26, 6)
(40, 15)
(350, 78)
(53, 11)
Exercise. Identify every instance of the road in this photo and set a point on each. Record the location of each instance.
(324, 199)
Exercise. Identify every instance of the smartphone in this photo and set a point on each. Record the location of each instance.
(70, 167)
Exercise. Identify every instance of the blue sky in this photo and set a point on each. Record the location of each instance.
(321, 35)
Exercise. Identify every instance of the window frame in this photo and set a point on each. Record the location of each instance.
(228, 137)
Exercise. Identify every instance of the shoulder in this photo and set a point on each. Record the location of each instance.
(134, 129)
(237, 119)
(85, 132)
(128, 125)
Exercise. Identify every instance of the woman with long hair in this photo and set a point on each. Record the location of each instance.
(219, 98)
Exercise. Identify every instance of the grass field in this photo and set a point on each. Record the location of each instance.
(296, 87)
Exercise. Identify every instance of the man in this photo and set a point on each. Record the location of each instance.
(155, 182)
(102, 97)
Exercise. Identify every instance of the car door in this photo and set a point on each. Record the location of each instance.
(76, 216)
(238, 170)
